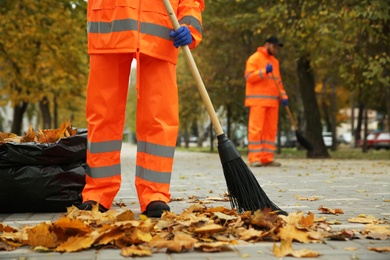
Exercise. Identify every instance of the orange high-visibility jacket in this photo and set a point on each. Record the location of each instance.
(260, 86)
(143, 26)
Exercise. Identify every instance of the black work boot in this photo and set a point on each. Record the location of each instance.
(156, 208)
(89, 204)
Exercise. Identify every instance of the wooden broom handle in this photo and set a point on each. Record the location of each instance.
(287, 108)
(195, 73)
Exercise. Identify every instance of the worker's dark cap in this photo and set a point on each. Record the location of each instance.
(274, 40)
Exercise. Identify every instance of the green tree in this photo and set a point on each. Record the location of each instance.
(43, 57)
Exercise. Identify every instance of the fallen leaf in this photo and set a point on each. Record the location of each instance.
(285, 249)
(380, 249)
(41, 235)
(327, 210)
(307, 199)
(136, 250)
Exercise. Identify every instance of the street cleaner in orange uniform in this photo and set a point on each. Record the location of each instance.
(118, 32)
(263, 97)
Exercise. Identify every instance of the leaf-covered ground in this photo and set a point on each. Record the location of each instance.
(201, 228)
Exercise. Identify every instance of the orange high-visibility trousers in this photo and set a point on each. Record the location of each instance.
(262, 128)
(157, 126)
(157, 129)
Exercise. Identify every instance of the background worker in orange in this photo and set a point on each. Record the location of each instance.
(119, 31)
(262, 97)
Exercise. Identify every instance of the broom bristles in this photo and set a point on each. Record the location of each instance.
(245, 192)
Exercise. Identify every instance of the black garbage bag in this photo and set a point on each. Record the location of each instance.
(38, 177)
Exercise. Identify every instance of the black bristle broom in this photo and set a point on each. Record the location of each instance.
(245, 192)
(301, 139)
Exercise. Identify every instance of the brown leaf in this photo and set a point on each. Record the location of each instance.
(124, 215)
(251, 234)
(285, 249)
(212, 247)
(376, 231)
(72, 226)
(290, 232)
(307, 199)
(327, 210)
(134, 250)
(364, 220)
(209, 228)
(74, 244)
(41, 235)
(6, 247)
(305, 222)
(380, 249)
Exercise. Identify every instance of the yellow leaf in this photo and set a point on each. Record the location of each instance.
(134, 250)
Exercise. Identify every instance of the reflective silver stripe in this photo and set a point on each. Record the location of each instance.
(153, 176)
(104, 147)
(190, 20)
(114, 26)
(261, 150)
(104, 171)
(247, 76)
(261, 74)
(132, 25)
(263, 96)
(156, 149)
(261, 142)
(155, 30)
(268, 142)
(129, 25)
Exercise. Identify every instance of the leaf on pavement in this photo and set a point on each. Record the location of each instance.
(364, 219)
(75, 244)
(327, 210)
(136, 250)
(180, 243)
(376, 231)
(285, 249)
(41, 235)
(212, 247)
(380, 249)
(307, 199)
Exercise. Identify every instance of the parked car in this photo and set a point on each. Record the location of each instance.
(382, 141)
(327, 136)
(370, 140)
(345, 138)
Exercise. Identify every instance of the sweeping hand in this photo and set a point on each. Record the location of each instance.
(268, 68)
(181, 36)
(285, 102)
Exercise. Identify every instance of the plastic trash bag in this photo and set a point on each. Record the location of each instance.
(38, 177)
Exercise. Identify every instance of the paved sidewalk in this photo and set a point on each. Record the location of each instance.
(355, 186)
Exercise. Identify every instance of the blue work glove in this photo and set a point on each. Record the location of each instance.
(285, 102)
(181, 36)
(268, 68)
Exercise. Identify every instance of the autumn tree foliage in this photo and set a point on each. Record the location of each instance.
(43, 59)
(335, 44)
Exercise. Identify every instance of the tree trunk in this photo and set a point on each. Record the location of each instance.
(334, 116)
(55, 119)
(18, 118)
(44, 106)
(358, 135)
(311, 110)
(364, 146)
(211, 131)
(388, 107)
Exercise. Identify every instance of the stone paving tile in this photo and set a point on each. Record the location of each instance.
(357, 187)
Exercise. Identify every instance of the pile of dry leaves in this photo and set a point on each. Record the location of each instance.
(40, 136)
(196, 228)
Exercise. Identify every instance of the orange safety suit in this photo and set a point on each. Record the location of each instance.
(262, 97)
(118, 31)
